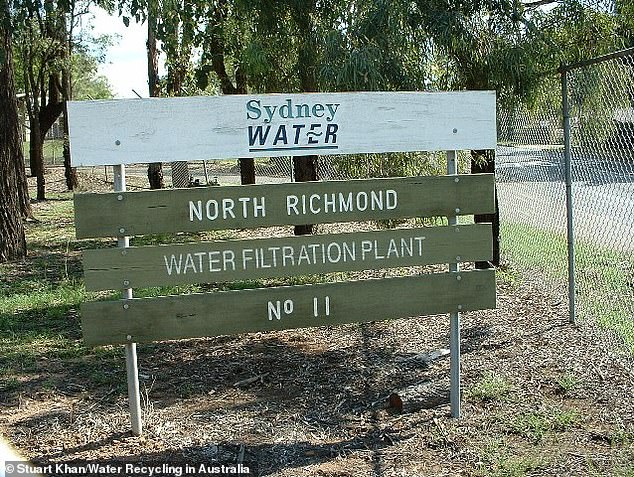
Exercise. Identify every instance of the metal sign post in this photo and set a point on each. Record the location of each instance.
(454, 346)
(134, 397)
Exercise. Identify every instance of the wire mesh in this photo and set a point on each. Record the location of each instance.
(602, 147)
(181, 176)
(530, 174)
(531, 190)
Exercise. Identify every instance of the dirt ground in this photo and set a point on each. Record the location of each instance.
(541, 397)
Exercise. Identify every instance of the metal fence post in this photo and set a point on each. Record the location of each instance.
(205, 171)
(134, 396)
(569, 204)
(454, 343)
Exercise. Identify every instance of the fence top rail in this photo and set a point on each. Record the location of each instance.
(276, 125)
(599, 59)
(251, 206)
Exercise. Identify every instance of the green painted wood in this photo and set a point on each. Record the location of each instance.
(217, 208)
(206, 262)
(223, 313)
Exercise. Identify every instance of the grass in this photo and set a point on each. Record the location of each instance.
(568, 383)
(510, 466)
(620, 436)
(158, 239)
(535, 425)
(604, 277)
(39, 325)
(497, 460)
(490, 388)
(53, 151)
(39, 305)
(508, 275)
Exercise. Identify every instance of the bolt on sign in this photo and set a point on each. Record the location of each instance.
(180, 129)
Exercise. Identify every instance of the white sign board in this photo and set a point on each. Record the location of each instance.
(237, 126)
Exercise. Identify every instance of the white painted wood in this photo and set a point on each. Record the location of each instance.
(203, 128)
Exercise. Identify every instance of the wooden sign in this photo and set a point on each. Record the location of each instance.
(205, 262)
(219, 208)
(280, 308)
(185, 129)
(222, 127)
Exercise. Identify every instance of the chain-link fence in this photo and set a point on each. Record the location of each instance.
(531, 172)
(280, 169)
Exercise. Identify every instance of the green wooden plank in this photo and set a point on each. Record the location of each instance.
(217, 208)
(206, 262)
(265, 309)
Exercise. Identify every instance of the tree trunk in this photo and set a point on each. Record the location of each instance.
(32, 162)
(217, 48)
(72, 181)
(36, 157)
(304, 169)
(154, 170)
(247, 170)
(42, 115)
(247, 164)
(155, 175)
(69, 172)
(152, 53)
(484, 162)
(23, 186)
(12, 239)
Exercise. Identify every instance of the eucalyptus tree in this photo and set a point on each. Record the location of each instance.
(86, 81)
(12, 239)
(41, 53)
(155, 169)
(480, 46)
(510, 46)
(69, 10)
(625, 11)
(44, 44)
(224, 38)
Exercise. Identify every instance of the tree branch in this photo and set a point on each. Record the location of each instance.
(538, 3)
